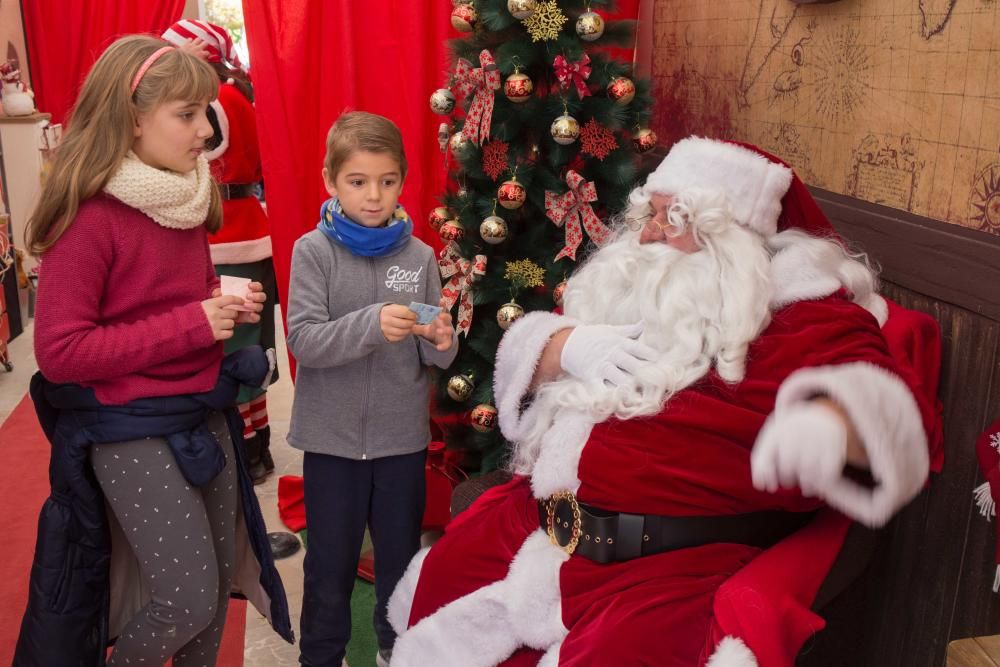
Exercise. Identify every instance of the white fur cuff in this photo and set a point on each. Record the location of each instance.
(517, 358)
(887, 418)
(401, 600)
(732, 652)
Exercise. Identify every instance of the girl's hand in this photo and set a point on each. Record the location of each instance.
(221, 316)
(439, 332)
(255, 299)
(397, 322)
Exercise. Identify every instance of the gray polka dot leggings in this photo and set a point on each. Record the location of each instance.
(183, 538)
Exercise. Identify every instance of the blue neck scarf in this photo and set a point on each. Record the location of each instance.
(361, 240)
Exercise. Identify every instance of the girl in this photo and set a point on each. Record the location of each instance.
(129, 309)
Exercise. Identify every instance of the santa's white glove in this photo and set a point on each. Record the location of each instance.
(804, 446)
(606, 353)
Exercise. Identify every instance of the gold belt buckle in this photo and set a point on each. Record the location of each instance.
(550, 520)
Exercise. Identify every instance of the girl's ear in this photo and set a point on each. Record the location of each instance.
(137, 129)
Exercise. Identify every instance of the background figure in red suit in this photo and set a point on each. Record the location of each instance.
(243, 246)
(714, 380)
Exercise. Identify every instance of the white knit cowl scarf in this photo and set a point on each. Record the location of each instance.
(176, 201)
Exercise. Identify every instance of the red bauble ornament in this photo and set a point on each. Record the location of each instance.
(452, 230)
(463, 18)
(483, 417)
(518, 87)
(438, 217)
(644, 140)
(511, 194)
(621, 90)
(558, 293)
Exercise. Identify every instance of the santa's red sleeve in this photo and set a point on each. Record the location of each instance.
(762, 615)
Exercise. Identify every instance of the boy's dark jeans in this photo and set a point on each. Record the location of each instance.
(342, 496)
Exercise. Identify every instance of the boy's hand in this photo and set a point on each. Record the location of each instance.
(397, 322)
(439, 332)
(221, 317)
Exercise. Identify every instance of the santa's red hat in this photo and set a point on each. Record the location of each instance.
(762, 190)
(988, 493)
(217, 40)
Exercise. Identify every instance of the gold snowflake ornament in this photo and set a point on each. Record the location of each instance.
(524, 273)
(546, 22)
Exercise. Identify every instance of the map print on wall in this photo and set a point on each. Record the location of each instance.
(896, 102)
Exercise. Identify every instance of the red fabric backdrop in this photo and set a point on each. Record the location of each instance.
(65, 38)
(310, 61)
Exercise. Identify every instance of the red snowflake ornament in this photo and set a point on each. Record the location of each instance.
(597, 140)
(495, 159)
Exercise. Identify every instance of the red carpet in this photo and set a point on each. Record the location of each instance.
(24, 485)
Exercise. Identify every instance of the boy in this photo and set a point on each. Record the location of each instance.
(361, 400)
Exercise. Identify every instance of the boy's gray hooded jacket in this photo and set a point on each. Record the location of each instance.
(356, 394)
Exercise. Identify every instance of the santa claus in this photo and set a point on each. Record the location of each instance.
(716, 378)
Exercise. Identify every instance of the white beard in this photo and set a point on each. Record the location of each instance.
(698, 309)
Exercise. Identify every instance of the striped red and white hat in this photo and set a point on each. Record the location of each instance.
(216, 39)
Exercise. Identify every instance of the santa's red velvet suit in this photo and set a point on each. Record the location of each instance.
(245, 236)
(495, 589)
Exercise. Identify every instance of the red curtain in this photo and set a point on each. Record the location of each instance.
(310, 61)
(65, 38)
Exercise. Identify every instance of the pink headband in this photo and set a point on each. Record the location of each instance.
(147, 64)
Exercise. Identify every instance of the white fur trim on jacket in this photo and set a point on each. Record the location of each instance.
(486, 626)
(241, 252)
(401, 600)
(753, 185)
(732, 652)
(886, 416)
(797, 276)
(220, 114)
(558, 464)
(517, 358)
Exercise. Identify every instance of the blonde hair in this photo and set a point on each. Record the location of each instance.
(362, 131)
(100, 129)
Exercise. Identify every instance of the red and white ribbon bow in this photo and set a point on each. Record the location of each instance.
(484, 81)
(573, 74)
(461, 273)
(573, 207)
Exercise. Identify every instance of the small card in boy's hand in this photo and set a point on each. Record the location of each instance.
(425, 312)
(236, 286)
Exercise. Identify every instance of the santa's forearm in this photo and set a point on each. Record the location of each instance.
(857, 456)
(550, 365)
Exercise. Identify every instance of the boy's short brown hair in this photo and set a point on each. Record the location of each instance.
(362, 131)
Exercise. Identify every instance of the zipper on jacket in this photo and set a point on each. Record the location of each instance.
(368, 370)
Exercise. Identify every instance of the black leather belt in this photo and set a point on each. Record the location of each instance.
(606, 537)
(236, 190)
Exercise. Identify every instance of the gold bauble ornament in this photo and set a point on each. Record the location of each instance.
(590, 26)
(565, 129)
(558, 293)
(621, 90)
(518, 87)
(452, 230)
(463, 18)
(522, 9)
(509, 313)
(493, 230)
(644, 140)
(438, 217)
(511, 194)
(460, 387)
(483, 417)
(442, 101)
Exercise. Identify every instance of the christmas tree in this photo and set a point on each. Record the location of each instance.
(546, 150)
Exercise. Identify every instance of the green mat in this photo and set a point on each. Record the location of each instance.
(363, 646)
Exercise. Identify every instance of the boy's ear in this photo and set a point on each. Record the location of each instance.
(330, 187)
